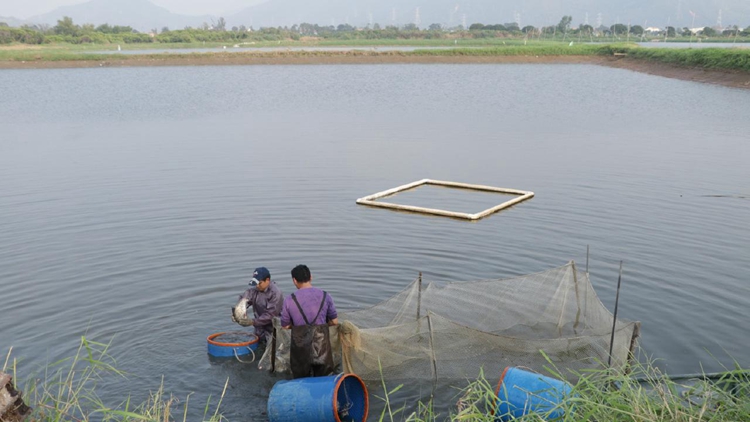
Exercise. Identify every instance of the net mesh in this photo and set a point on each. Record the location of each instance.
(456, 330)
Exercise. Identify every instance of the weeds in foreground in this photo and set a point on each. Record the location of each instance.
(67, 391)
(644, 394)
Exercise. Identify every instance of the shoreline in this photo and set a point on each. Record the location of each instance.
(728, 78)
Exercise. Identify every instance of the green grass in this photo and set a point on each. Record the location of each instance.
(548, 49)
(644, 395)
(704, 58)
(67, 391)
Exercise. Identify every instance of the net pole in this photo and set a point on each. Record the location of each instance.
(273, 351)
(419, 301)
(614, 322)
(434, 358)
(633, 340)
(587, 259)
(419, 296)
(578, 298)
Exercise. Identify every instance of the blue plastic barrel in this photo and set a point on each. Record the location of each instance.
(521, 392)
(340, 398)
(219, 349)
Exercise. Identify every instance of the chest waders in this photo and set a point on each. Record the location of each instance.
(310, 352)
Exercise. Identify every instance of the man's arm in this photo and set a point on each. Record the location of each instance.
(286, 319)
(331, 315)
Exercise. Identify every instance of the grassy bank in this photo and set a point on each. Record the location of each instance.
(67, 390)
(76, 54)
(545, 49)
(705, 58)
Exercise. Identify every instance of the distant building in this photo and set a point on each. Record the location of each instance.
(654, 30)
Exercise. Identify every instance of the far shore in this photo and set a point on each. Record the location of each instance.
(729, 78)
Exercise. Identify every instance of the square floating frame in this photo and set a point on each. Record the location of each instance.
(372, 200)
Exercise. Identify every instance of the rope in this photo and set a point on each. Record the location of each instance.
(350, 341)
(244, 361)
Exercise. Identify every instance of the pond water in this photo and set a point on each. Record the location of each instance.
(135, 202)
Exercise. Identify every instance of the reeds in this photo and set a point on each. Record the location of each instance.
(66, 390)
(644, 395)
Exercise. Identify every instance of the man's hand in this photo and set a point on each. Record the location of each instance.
(246, 322)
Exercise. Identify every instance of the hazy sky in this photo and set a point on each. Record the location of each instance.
(23, 9)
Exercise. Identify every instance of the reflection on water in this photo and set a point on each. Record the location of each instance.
(135, 202)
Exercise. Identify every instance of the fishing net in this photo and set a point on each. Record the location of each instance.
(456, 330)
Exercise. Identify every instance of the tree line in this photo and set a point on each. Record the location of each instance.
(66, 31)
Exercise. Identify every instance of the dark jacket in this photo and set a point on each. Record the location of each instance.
(266, 305)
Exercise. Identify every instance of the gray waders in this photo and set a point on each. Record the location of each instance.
(310, 354)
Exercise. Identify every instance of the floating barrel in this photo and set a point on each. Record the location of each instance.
(340, 398)
(232, 344)
(521, 392)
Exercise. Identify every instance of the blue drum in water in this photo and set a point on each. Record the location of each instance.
(521, 392)
(340, 398)
(231, 344)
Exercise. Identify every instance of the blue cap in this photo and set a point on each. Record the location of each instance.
(260, 274)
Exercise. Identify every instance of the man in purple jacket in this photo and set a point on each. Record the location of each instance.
(266, 299)
(308, 312)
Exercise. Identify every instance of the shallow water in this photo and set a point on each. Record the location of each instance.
(135, 202)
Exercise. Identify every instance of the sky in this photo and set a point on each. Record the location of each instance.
(23, 9)
(735, 11)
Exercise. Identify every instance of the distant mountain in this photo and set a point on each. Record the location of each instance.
(531, 12)
(142, 15)
(11, 21)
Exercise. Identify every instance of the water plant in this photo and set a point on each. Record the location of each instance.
(66, 390)
(644, 394)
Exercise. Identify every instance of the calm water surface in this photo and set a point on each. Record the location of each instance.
(135, 202)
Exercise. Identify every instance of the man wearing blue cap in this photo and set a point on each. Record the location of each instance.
(266, 300)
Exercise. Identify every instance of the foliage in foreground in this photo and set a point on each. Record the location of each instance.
(67, 391)
(600, 395)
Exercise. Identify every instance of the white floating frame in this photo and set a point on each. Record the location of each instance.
(371, 200)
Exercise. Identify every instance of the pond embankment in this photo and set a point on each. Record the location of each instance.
(727, 67)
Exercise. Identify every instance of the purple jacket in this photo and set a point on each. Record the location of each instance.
(309, 299)
(266, 305)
